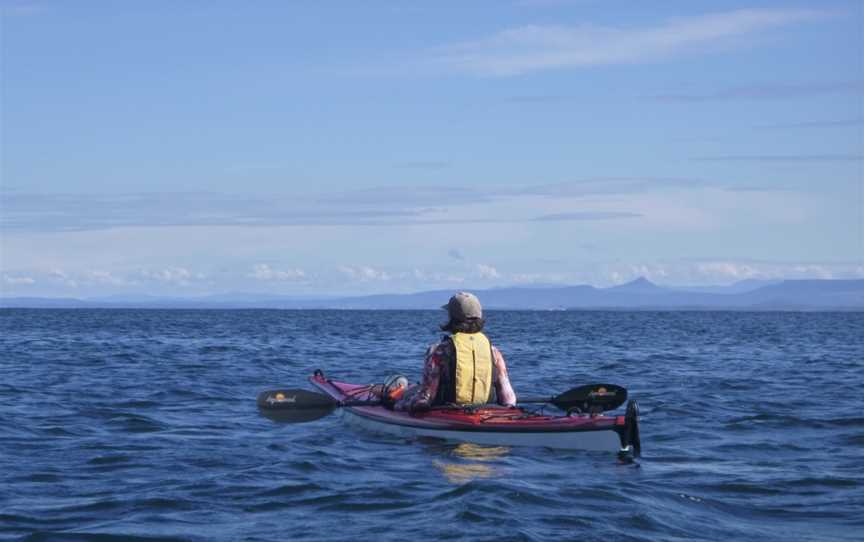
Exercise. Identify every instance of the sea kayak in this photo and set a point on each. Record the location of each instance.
(493, 425)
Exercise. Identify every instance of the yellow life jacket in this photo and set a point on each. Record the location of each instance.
(471, 372)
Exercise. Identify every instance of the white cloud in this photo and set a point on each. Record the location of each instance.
(18, 281)
(727, 270)
(435, 278)
(712, 272)
(534, 47)
(64, 278)
(537, 278)
(108, 278)
(364, 273)
(672, 273)
(487, 272)
(262, 271)
(171, 275)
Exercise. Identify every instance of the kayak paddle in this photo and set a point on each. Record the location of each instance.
(299, 405)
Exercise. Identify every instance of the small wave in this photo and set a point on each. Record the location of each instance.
(128, 425)
(164, 503)
(37, 478)
(216, 349)
(109, 459)
(846, 422)
(829, 482)
(854, 440)
(55, 536)
(7, 389)
(568, 520)
(290, 490)
(58, 431)
(303, 466)
(764, 446)
(136, 423)
(769, 420)
(369, 506)
(471, 516)
(458, 492)
(136, 403)
(766, 420)
(282, 504)
(742, 488)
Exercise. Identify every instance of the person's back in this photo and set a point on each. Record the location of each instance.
(467, 374)
(464, 368)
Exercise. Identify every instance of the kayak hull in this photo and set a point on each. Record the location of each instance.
(583, 440)
(499, 426)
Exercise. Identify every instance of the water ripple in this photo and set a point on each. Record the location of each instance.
(141, 425)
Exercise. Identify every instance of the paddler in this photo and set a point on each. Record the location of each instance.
(464, 368)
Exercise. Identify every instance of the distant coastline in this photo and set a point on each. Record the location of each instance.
(641, 294)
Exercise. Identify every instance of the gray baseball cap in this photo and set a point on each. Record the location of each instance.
(462, 306)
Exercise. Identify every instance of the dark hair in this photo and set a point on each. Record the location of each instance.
(469, 325)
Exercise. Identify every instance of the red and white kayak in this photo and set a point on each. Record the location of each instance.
(490, 424)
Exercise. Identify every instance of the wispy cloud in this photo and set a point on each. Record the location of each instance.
(610, 185)
(549, 3)
(838, 123)
(78, 212)
(588, 215)
(758, 188)
(385, 206)
(22, 9)
(541, 99)
(18, 280)
(782, 158)
(107, 278)
(533, 48)
(775, 91)
(428, 164)
(408, 196)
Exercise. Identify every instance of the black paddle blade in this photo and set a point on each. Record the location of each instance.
(593, 398)
(295, 405)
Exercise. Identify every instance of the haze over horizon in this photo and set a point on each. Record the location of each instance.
(331, 148)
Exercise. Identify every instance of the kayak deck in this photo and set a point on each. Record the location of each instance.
(490, 424)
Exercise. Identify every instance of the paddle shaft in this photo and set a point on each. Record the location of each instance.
(358, 403)
(535, 399)
(299, 405)
(361, 403)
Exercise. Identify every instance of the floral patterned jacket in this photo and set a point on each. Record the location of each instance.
(436, 365)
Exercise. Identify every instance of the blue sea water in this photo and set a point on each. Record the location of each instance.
(142, 425)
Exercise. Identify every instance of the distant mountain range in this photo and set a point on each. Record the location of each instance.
(641, 294)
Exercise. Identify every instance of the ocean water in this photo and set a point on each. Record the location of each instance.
(142, 425)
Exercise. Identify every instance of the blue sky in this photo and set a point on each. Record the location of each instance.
(313, 148)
